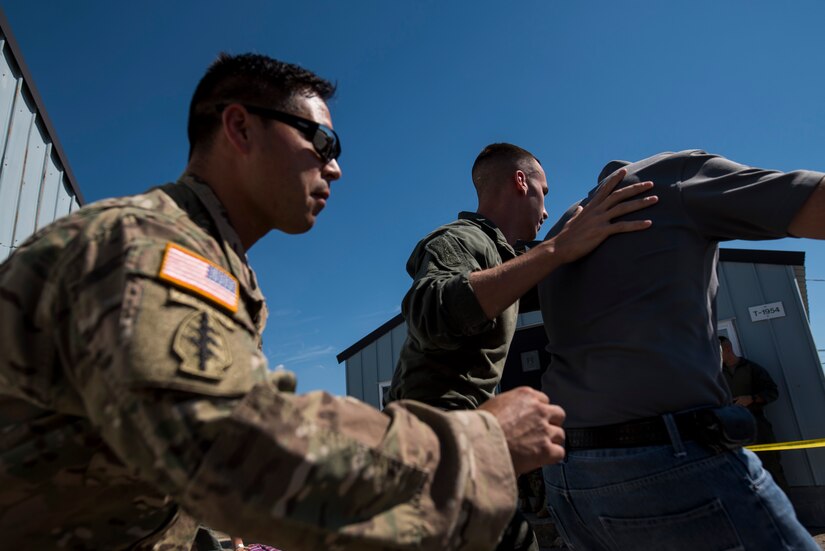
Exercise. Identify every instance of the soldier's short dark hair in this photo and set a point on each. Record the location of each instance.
(723, 339)
(248, 78)
(501, 158)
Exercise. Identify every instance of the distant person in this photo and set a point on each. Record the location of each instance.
(135, 402)
(467, 279)
(752, 387)
(531, 494)
(654, 451)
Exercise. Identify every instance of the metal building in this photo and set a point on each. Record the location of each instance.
(36, 183)
(762, 307)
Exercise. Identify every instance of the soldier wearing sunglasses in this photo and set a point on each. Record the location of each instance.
(136, 403)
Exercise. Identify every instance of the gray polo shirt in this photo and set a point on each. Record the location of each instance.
(632, 326)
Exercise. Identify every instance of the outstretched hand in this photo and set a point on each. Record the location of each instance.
(592, 224)
(531, 425)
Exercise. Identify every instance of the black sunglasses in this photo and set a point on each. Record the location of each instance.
(322, 137)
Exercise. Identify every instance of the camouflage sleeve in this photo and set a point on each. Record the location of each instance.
(173, 384)
(441, 304)
(315, 472)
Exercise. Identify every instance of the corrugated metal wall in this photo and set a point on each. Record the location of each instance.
(785, 347)
(374, 365)
(35, 188)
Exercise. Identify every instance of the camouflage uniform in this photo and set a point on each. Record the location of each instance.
(453, 356)
(134, 401)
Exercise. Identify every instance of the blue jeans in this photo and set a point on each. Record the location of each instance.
(680, 497)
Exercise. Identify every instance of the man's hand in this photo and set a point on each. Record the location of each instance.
(531, 426)
(592, 224)
(743, 401)
(498, 287)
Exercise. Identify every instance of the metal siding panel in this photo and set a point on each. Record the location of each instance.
(724, 306)
(9, 82)
(799, 363)
(64, 199)
(776, 345)
(369, 374)
(48, 194)
(399, 335)
(354, 376)
(53, 202)
(799, 275)
(13, 163)
(36, 150)
(384, 358)
(741, 286)
(12, 51)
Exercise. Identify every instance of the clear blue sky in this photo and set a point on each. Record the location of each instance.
(423, 86)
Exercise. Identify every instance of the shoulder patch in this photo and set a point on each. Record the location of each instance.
(442, 249)
(191, 271)
(201, 345)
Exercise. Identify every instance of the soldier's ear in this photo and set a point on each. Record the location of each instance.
(235, 122)
(520, 181)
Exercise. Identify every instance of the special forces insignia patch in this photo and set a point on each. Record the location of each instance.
(201, 345)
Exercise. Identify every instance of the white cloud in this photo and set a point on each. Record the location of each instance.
(311, 353)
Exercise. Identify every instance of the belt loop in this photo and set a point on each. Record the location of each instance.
(675, 437)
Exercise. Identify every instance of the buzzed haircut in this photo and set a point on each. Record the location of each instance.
(499, 159)
(248, 78)
(723, 339)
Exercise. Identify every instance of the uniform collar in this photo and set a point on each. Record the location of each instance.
(227, 237)
(217, 212)
(489, 227)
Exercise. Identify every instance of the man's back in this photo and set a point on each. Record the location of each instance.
(632, 326)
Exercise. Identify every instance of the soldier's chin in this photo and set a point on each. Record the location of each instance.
(300, 227)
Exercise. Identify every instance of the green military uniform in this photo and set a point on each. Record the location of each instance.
(747, 378)
(135, 403)
(453, 356)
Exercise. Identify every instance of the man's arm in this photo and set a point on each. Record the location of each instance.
(302, 472)
(728, 200)
(499, 287)
(810, 220)
(531, 425)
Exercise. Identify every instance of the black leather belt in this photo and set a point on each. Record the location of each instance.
(650, 431)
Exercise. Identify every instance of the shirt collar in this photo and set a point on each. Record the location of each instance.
(490, 228)
(227, 236)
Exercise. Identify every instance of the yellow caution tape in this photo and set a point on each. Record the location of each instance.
(798, 445)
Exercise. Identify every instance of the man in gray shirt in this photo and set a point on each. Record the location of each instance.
(636, 365)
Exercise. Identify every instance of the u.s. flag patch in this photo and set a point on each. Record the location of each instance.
(191, 271)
